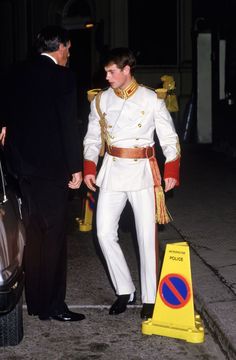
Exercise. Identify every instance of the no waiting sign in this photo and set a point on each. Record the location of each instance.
(174, 291)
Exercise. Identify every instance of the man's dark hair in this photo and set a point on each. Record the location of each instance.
(121, 57)
(50, 38)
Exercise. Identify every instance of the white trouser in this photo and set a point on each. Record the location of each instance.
(109, 208)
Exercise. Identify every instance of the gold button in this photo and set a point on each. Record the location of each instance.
(139, 125)
(114, 159)
(142, 112)
(135, 159)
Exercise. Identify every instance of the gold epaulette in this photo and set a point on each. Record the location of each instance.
(161, 93)
(92, 93)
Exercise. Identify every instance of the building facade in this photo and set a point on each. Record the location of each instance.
(182, 38)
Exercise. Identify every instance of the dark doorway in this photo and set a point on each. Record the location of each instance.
(80, 63)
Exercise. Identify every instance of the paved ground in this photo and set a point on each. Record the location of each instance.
(204, 211)
(101, 336)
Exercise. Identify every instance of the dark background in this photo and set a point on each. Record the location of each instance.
(154, 33)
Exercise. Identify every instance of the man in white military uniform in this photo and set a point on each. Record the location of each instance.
(125, 116)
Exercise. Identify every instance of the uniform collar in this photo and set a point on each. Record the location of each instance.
(128, 91)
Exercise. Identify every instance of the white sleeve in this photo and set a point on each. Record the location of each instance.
(92, 141)
(166, 132)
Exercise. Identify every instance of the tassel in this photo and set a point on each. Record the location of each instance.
(162, 214)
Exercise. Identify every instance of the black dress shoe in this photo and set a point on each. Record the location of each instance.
(121, 303)
(147, 311)
(68, 316)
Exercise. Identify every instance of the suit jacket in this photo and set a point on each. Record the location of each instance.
(40, 113)
(130, 123)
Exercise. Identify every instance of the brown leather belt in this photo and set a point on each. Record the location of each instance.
(162, 215)
(139, 153)
(132, 153)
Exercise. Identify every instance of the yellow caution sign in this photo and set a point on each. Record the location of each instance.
(85, 224)
(174, 314)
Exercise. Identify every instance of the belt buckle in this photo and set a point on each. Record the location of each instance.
(149, 152)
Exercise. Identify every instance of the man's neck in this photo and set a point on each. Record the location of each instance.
(128, 91)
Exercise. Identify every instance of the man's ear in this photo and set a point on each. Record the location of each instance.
(61, 48)
(126, 69)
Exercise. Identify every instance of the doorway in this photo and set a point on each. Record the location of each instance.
(80, 63)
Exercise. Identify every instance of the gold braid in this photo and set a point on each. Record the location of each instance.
(102, 122)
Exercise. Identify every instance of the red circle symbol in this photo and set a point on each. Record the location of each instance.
(174, 291)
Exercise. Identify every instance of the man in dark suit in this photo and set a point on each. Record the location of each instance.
(43, 150)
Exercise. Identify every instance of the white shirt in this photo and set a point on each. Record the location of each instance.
(50, 56)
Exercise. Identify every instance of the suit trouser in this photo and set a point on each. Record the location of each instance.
(109, 208)
(44, 215)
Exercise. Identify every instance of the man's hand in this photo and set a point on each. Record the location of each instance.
(3, 135)
(170, 183)
(76, 180)
(90, 182)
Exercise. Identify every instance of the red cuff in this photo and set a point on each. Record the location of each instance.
(172, 170)
(89, 168)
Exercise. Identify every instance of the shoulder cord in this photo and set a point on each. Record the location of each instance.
(102, 122)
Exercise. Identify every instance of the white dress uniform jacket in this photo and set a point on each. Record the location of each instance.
(130, 123)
